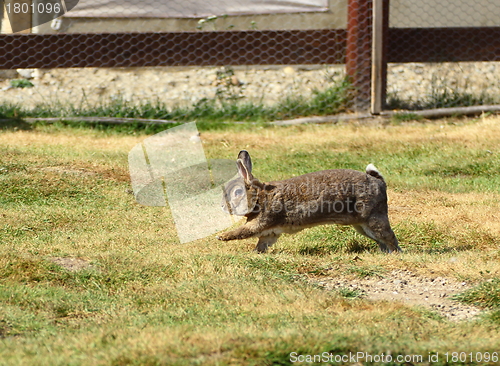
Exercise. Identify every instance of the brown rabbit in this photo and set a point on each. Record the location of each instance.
(339, 196)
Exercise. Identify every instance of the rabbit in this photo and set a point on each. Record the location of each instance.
(339, 196)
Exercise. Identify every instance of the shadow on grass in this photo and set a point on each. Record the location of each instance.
(14, 125)
(349, 246)
(441, 250)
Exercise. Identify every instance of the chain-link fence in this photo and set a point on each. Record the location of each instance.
(244, 60)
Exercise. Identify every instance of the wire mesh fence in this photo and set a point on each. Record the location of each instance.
(450, 52)
(243, 60)
(277, 58)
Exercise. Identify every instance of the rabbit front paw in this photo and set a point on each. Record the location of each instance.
(223, 237)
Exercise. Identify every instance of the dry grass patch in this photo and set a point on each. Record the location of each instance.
(358, 136)
(459, 213)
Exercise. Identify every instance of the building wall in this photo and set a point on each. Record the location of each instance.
(444, 13)
(404, 13)
(335, 18)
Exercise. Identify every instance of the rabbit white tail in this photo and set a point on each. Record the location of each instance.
(373, 171)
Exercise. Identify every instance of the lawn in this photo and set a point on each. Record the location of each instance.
(135, 296)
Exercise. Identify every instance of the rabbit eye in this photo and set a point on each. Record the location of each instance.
(238, 192)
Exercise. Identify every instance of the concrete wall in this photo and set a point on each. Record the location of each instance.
(337, 19)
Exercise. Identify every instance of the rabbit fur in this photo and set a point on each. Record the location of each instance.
(338, 196)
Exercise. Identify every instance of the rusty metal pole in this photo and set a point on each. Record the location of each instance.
(359, 51)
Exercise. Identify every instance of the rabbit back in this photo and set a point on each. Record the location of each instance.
(340, 196)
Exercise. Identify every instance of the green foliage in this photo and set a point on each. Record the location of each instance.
(21, 83)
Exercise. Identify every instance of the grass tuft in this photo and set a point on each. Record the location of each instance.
(485, 295)
(349, 293)
(21, 83)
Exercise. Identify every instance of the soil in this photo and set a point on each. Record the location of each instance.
(71, 264)
(434, 293)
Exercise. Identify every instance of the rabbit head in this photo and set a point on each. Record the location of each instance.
(239, 195)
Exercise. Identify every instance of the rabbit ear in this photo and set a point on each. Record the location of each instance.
(244, 156)
(243, 171)
(244, 164)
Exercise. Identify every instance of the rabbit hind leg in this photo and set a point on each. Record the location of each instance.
(265, 242)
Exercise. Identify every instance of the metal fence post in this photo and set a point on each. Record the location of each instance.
(359, 50)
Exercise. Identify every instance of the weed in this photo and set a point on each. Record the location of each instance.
(405, 117)
(21, 83)
(228, 86)
(350, 293)
(442, 95)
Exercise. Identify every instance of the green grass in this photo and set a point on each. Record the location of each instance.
(363, 271)
(350, 293)
(144, 299)
(485, 295)
(398, 118)
(432, 164)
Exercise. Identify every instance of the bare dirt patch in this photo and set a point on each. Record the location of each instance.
(66, 170)
(88, 171)
(71, 264)
(404, 286)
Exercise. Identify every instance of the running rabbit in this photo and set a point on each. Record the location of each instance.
(340, 196)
